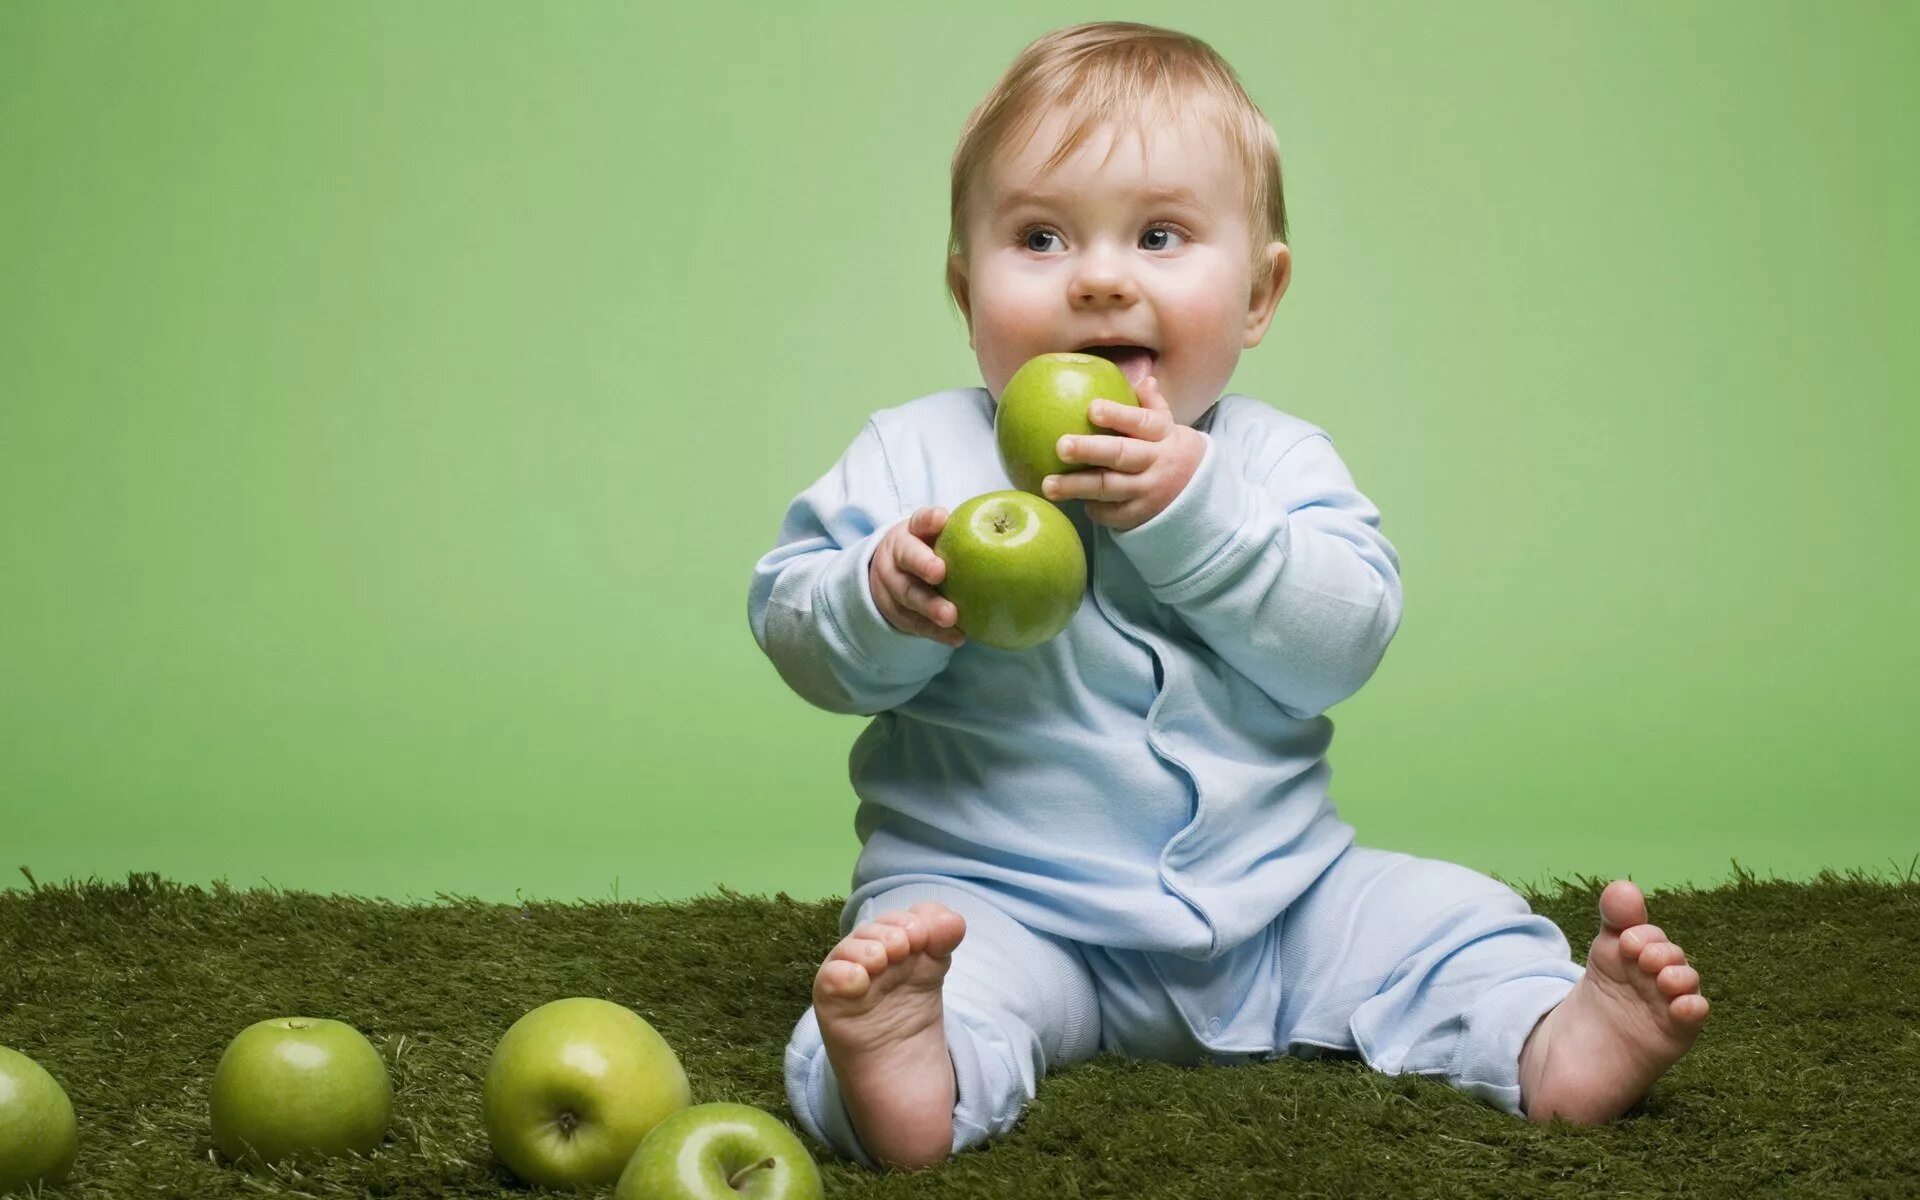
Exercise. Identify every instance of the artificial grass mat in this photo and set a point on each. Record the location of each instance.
(1804, 1083)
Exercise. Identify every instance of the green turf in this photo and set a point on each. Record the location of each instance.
(1804, 1083)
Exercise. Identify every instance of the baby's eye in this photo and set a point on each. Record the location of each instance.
(1166, 229)
(1027, 236)
(1030, 232)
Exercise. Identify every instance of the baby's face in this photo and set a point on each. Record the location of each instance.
(1085, 256)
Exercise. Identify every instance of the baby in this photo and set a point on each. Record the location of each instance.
(1121, 839)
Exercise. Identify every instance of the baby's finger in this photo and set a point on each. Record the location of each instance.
(1150, 396)
(1130, 455)
(1140, 421)
(920, 598)
(919, 626)
(893, 596)
(917, 558)
(907, 621)
(926, 523)
(1093, 483)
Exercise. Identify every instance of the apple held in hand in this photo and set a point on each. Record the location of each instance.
(1047, 398)
(721, 1152)
(299, 1087)
(574, 1086)
(38, 1135)
(1015, 569)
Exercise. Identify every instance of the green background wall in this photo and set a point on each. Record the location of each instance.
(394, 399)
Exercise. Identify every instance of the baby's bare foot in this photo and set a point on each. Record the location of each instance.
(1633, 1014)
(877, 998)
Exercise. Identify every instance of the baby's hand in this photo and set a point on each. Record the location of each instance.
(1146, 466)
(903, 574)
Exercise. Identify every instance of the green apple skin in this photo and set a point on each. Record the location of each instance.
(1047, 398)
(572, 1089)
(38, 1134)
(721, 1151)
(299, 1087)
(1016, 570)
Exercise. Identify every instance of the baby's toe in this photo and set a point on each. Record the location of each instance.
(912, 923)
(1622, 905)
(1638, 938)
(897, 942)
(841, 979)
(1661, 955)
(1678, 980)
(1690, 1009)
(863, 952)
(945, 927)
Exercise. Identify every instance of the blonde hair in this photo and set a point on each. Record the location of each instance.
(1112, 73)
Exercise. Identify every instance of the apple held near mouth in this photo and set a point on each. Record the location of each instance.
(299, 1087)
(574, 1086)
(721, 1151)
(38, 1135)
(1015, 569)
(1047, 398)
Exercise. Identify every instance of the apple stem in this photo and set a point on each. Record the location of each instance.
(763, 1164)
(567, 1122)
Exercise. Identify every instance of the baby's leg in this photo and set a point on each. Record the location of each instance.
(1425, 967)
(971, 1036)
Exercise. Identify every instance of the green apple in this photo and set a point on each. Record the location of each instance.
(1015, 569)
(299, 1087)
(38, 1135)
(720, 1151)
(574, 1086)
(1047, 398)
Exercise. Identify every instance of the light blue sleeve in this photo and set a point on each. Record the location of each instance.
(809, 603)
(1291, 582)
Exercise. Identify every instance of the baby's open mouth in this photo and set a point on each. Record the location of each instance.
(1135, 362)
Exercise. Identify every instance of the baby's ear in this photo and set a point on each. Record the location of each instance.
(957, 285)
(1278, 261)
(1282, 260)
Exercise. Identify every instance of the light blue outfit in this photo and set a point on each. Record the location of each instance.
(1133, 816)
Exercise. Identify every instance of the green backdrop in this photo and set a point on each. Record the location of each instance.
(396, 398)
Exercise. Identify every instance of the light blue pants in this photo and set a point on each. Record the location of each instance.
(1417, 965)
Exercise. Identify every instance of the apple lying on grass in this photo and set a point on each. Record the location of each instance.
(1049, 397)
(572, 1089)
(720, 1151)
(1015, 569)
(299, 1087)
(38, 1134)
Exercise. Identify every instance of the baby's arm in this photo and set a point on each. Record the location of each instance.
(810, 604)
(1291, 583)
